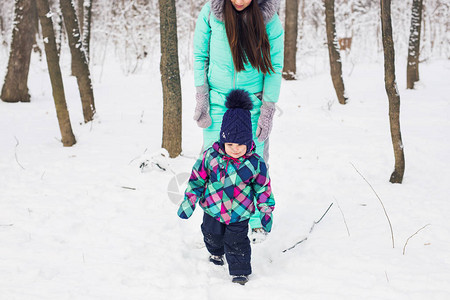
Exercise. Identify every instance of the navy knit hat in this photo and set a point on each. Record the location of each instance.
(237, 122)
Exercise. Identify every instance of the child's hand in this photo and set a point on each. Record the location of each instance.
(266, 221)
(186, 209)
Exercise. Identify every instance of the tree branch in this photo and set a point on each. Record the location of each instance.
(404, 247)
(312, 227)
(384, 209)
(15, 153)
(343, 217)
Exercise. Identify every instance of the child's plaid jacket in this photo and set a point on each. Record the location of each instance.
(226, 187)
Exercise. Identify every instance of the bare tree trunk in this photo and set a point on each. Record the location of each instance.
(80, 13)
(15, 87)
(80, 66)
(333, 51)
(392, 92)
(412, 69)
(54, 70)
(87, 28)
(36, 34)
(59, 27)
(290, 40)
(170, 78)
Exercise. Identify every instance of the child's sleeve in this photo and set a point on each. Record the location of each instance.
(264, 197)
(196, 187)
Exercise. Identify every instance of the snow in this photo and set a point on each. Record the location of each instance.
(85, 223)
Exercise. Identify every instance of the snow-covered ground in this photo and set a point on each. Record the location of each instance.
(85, 223)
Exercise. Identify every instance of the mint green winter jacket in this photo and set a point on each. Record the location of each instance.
(213, 62)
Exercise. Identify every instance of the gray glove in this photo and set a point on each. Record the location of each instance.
(201, 114)
(265, 121)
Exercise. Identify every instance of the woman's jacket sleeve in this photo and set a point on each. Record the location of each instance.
(272, 81)
(202, 35)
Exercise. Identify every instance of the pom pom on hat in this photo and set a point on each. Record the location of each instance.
(239, 99)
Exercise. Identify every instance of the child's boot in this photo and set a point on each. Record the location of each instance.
(241, 279)
(216, 259)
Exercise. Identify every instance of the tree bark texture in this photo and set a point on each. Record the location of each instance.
(412, 69)
(59, 33)
(170, 77)
(87, 27)
(333, 51)
(80, 13)
(392, 92)
(54, 70)
(290, 40)
(15, 87)
(80, 67)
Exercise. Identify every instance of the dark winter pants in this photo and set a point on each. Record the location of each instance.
(231, 240)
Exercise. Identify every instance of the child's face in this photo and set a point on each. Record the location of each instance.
(235, 150)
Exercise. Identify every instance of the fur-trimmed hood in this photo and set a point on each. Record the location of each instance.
(268, 8)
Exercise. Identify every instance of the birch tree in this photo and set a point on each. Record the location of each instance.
(392, 92)
(412, 68)
(54, 70)
(170, 77)
(333, 52)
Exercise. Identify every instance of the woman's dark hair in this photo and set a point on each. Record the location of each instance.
(247, 37)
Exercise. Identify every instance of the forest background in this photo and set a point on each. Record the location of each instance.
(128, 31)
(84, 222)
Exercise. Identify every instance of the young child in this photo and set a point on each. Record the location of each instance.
(225, 181)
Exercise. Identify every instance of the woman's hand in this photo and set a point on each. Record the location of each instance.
(201, 114)
(265, 121)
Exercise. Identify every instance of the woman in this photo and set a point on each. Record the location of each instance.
(238, 44)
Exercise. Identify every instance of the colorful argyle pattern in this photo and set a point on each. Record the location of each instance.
(226, 189)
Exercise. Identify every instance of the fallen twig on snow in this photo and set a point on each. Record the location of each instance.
(15, 153)
(128, 188)
(343, 217)
(290, 248)
(385, 212)
(407, 240)
(6, 225)
(312, 227)
(317, 222)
